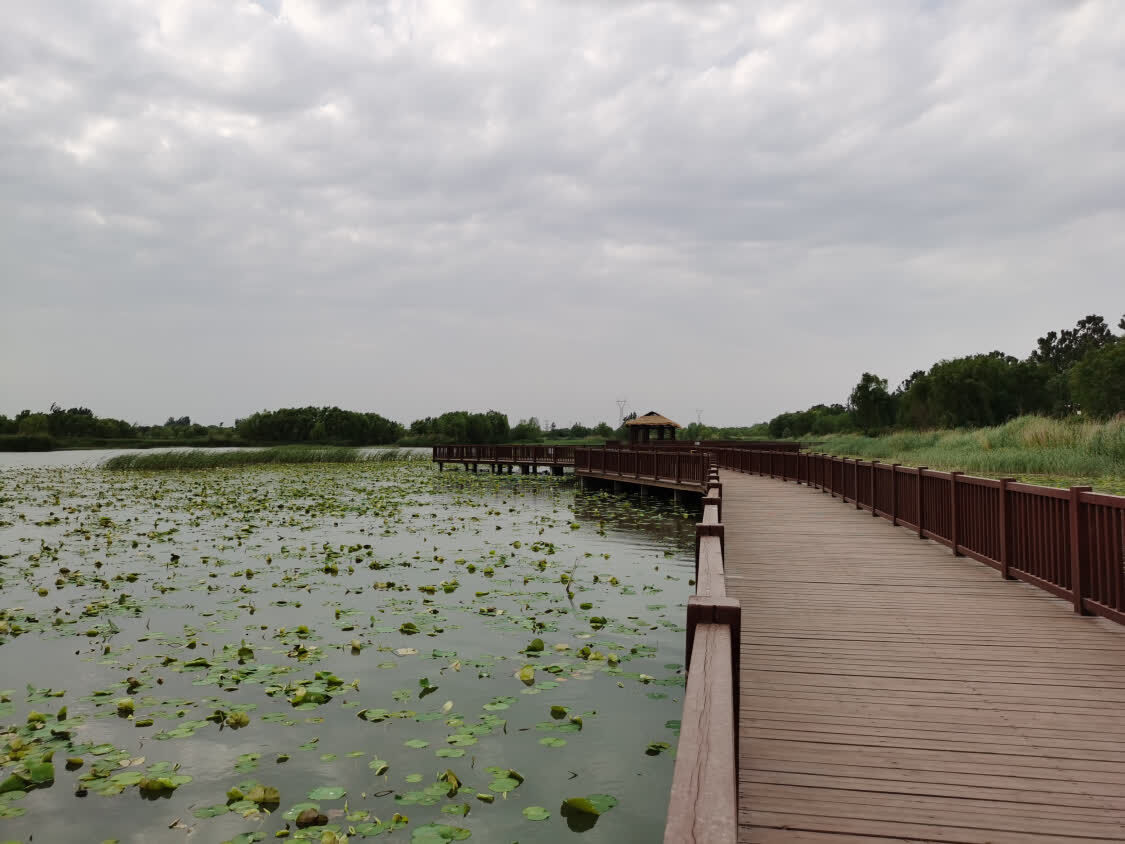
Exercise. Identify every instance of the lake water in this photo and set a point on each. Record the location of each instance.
(372, 623)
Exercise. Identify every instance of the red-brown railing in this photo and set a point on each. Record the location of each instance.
(541, 455)
(672, 466)
(1070, 542)
(703, 805)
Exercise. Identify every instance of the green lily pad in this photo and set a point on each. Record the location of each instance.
(435, 833)
(327, 792)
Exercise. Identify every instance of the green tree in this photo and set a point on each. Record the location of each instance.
(1057, 353)
(527, 430)
(871, 404)
(1098, 381)
(973, 391)
(34, 424)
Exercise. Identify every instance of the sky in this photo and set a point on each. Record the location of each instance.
(714, 210)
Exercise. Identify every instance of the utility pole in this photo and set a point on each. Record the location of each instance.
(699, 416)
(621, 411)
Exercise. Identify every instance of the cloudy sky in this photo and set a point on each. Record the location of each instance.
(211, 207)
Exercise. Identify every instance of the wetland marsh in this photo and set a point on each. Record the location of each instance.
(320, 652)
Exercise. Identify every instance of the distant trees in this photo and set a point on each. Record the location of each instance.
(818, 420)
(34, 424)
(1076, 370)
(461, 426)
(871, 405)
(972, 391)
(318, 424)
(527, 430)
(1057, 353)
(696, 431)
(1097, 382)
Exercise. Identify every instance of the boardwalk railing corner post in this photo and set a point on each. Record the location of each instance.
(1079, 551)
(874, 477)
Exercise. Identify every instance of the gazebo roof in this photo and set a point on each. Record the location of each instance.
(652, 419)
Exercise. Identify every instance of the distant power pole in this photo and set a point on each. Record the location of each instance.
(699, 416)
(621, 411)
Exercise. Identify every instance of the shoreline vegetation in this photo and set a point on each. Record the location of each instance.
(1036, 449)
(191, 459)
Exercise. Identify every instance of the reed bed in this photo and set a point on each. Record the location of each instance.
(1027, 445)
(194, 458)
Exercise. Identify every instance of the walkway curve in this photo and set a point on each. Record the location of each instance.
(891, 691)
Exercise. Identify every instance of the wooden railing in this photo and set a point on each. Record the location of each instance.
(703, 806)
(645, 464)
(1070, 542)
(540, 455)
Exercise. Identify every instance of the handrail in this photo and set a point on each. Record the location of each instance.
(1069, 542)
(703, 806)
(543, 455)
(682, 468)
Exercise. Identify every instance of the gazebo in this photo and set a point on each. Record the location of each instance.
(651, 426)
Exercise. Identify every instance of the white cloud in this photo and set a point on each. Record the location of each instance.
(408, 206)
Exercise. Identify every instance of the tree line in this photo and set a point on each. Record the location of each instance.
(330, 425)
(1076, 371)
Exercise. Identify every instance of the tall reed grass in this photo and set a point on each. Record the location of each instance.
(188, 459)
(1027, 445)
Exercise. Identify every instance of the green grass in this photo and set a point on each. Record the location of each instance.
(1056, 452)
(188, 459)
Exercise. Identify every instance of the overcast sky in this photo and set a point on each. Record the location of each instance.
(211, 207)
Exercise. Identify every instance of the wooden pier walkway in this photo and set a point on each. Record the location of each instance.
(891, 691)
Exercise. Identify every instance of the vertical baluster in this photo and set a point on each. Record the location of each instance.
(920, 500)
(954, 524)
(894, 494)
(1079, 558)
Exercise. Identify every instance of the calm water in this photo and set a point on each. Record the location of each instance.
(132, 594)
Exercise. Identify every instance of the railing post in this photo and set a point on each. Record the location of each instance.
(954, 527)
(676, 460)
(894, 494)
(1079, 558)
(702, 530)
(855, 483)
(874, 475)
(1004, 560)
(920, 499)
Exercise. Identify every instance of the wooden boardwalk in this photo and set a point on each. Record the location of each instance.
(891, 691)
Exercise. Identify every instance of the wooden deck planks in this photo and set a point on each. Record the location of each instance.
(891, 691)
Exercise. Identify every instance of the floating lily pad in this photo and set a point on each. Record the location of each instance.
(327, 792)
